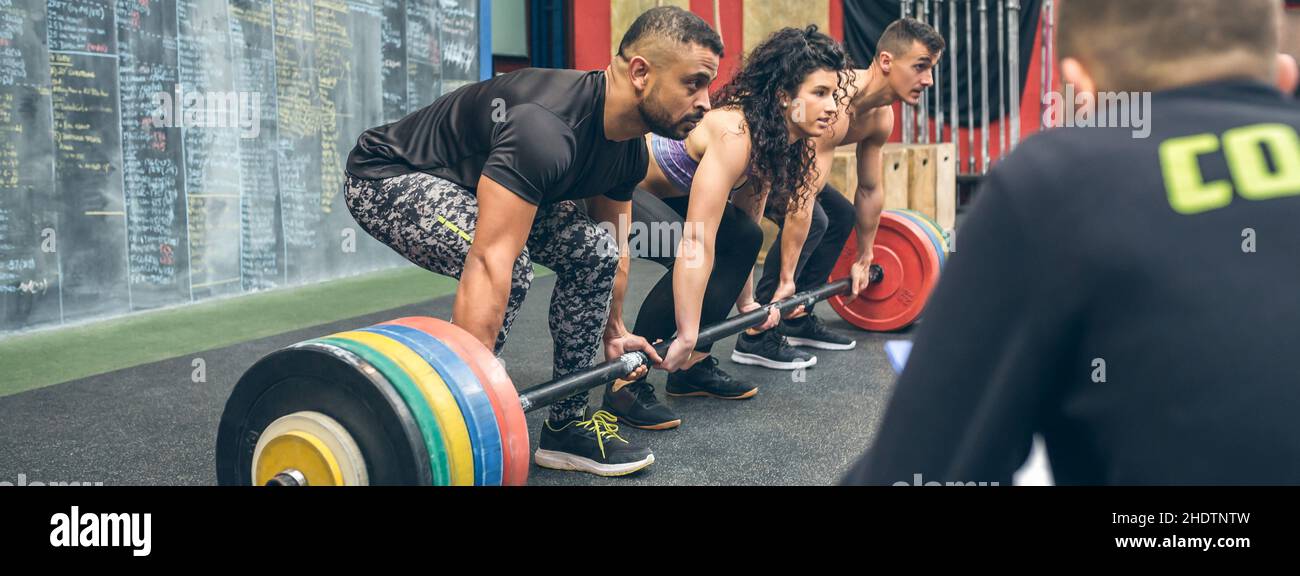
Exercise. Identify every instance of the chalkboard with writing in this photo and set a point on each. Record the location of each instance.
(160, 152)
(29, 274)
(261, 245)
(423, 55)
(212, 117)
(393, 59)
(152, 165)
(458, 39)
(90, 202)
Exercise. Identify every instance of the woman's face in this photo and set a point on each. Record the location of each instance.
(812, 111)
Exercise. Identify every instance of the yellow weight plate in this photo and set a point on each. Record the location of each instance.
(451, 423)
(299, 451)
(334, 436)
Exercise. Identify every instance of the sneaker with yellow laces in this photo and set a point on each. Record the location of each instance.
(592, 445)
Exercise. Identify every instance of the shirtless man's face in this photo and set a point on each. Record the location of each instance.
(910, 74)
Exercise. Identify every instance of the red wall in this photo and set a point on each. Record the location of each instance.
(733, 34)
(592, 41)
(590, 46)
(837, 20)
(590, 49)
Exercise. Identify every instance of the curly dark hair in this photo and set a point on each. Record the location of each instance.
(780, 64)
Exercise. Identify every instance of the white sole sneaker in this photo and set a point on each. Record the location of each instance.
(819, 344)
(756, 360)
(565, 461)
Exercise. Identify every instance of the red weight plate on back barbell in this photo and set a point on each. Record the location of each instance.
(910, 269)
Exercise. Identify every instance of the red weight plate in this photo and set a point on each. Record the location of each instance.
(936, 238)
(505, 399)
(910, 265)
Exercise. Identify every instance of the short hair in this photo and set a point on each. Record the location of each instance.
(1150, 45)
(899, 36)
(674, 24)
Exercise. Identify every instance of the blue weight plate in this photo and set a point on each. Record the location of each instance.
(473, 400)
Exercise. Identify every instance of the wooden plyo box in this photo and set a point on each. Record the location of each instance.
(921, 177)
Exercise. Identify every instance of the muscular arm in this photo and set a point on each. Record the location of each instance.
(503, 224)
(869, 197)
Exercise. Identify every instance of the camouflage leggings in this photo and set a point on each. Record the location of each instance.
(431, 222)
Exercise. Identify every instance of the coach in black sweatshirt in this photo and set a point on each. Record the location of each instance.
(1130, 293)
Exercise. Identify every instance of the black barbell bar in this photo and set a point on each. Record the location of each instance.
(560, 388)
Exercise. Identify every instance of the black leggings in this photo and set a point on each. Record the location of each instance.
(832, 222)
(735, 250)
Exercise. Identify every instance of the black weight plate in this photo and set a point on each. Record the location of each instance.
(334, 382)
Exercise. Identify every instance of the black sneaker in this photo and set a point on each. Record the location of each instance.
(637, 405)
(706, 379)
(770, 350)
(591, 445)
(809, 331)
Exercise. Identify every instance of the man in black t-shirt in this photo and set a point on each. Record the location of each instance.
(482, 183)
(1127, 293)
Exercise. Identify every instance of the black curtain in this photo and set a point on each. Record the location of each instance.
(865, 21)
(547, 34)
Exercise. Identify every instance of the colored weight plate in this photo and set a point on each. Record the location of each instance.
(943, 233)
(449, 421)
(474, 403)
(301, 452)
(319, 437)
(318, 377)
(413, 395)
(935, 242)
(934, 227)
(505, 399)
(931, 230)
(932, 233)
(911, 267)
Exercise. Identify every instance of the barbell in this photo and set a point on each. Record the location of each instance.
(419, 401)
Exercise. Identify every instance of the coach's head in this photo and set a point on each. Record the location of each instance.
(1126, 46)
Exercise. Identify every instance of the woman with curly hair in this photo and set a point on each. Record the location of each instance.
(751, 150)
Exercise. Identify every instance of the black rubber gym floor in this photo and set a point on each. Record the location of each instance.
(154, 425)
